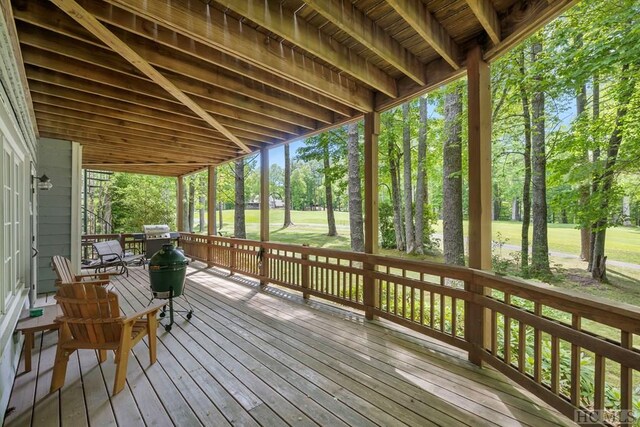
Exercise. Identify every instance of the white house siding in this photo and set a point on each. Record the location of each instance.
(17, 155)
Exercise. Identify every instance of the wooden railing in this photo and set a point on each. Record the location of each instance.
(574, 351)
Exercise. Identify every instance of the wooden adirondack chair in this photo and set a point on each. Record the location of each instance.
(62, 267)
(92, 320)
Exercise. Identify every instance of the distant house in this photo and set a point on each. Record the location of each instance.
(274, 203)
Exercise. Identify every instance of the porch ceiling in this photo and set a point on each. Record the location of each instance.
(241, 74)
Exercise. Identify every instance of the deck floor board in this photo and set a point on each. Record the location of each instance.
(254, 356)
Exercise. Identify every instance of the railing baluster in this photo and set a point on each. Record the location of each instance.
(494, 333)
(442, 312)
(555, 364)
(522, 345)
(454, 314)
(507, 332)
(626, 378)
(431, 310)
(576, 322)
(537, 346)
(599, 379)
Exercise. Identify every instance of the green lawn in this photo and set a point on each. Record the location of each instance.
(623, 243)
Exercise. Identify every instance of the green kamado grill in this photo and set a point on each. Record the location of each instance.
(167, 270)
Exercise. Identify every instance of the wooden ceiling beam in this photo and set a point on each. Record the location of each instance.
(487, 16)
(276, 18)
(152, 143)
(212, 100)
(344, 15)
(249, 122)
(151, 164)
(291, 96)
(525, 18)
(213, 28)
(74, 123)
(277, 102)
(157, 171)
(72, 116)
(127, 147)
(40, 89)
(92, 25)
(427, 26)
(103, 115)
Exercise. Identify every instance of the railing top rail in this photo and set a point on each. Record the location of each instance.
(586, 305)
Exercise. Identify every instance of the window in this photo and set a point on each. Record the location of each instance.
(13, 231)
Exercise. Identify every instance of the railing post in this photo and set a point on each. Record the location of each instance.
(474, 321)
(232, 258)
(370, 284)
(264, 212)
(122, 240)
(209, 252)
(305, 273)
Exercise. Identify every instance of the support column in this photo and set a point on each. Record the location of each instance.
(478, 320)
(479, 82)
(180, 204)
(371, 132)
(212, 228)
(264, 211)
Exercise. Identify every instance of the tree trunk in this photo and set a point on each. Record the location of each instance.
(192, 203)
(355, 189)
(497, 202)
(453, 238)
(394, 166)
(220, 224)
(540, 244)
(585, 230)
(331, 219)
(202, 214)
(606, 181)
(287, 187)
(408, 193)
(515, 210)
(421, 179)
(526, 186)
(239, 229)
(596, 158)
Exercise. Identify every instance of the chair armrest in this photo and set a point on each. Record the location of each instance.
(103, 276)
(116, 257)
(91, 282)
(144, 312)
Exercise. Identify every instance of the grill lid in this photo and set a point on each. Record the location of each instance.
(158, 231)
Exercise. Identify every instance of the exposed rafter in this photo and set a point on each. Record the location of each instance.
(488, 17)
(213, 28)
(280, 93)
(352, 21)
(526, 17)
(101, 32)
(423, 22)
(274, 17)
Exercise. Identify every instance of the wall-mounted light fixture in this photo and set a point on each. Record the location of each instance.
(44, 182)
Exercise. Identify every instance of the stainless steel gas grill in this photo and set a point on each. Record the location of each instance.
(155, 236)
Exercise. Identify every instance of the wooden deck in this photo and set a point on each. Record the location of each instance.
(252, 357)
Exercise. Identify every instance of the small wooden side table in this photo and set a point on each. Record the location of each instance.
(30, 325)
